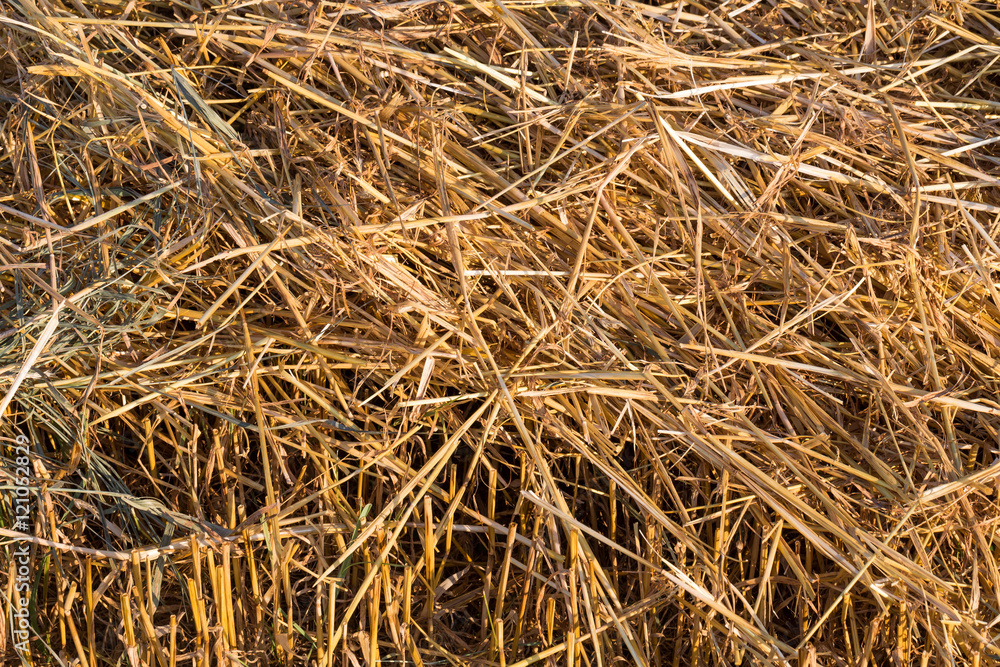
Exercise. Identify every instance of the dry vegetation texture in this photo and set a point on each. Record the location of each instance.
(555, 332)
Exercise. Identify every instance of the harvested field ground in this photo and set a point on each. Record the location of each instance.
(552, 332)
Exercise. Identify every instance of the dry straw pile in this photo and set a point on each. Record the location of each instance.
(555, 332)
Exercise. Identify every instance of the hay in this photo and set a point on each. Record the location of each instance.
(541, 332)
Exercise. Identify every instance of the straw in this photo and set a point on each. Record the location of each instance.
(583, 332)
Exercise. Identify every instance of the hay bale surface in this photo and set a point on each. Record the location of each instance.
(537, 332)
